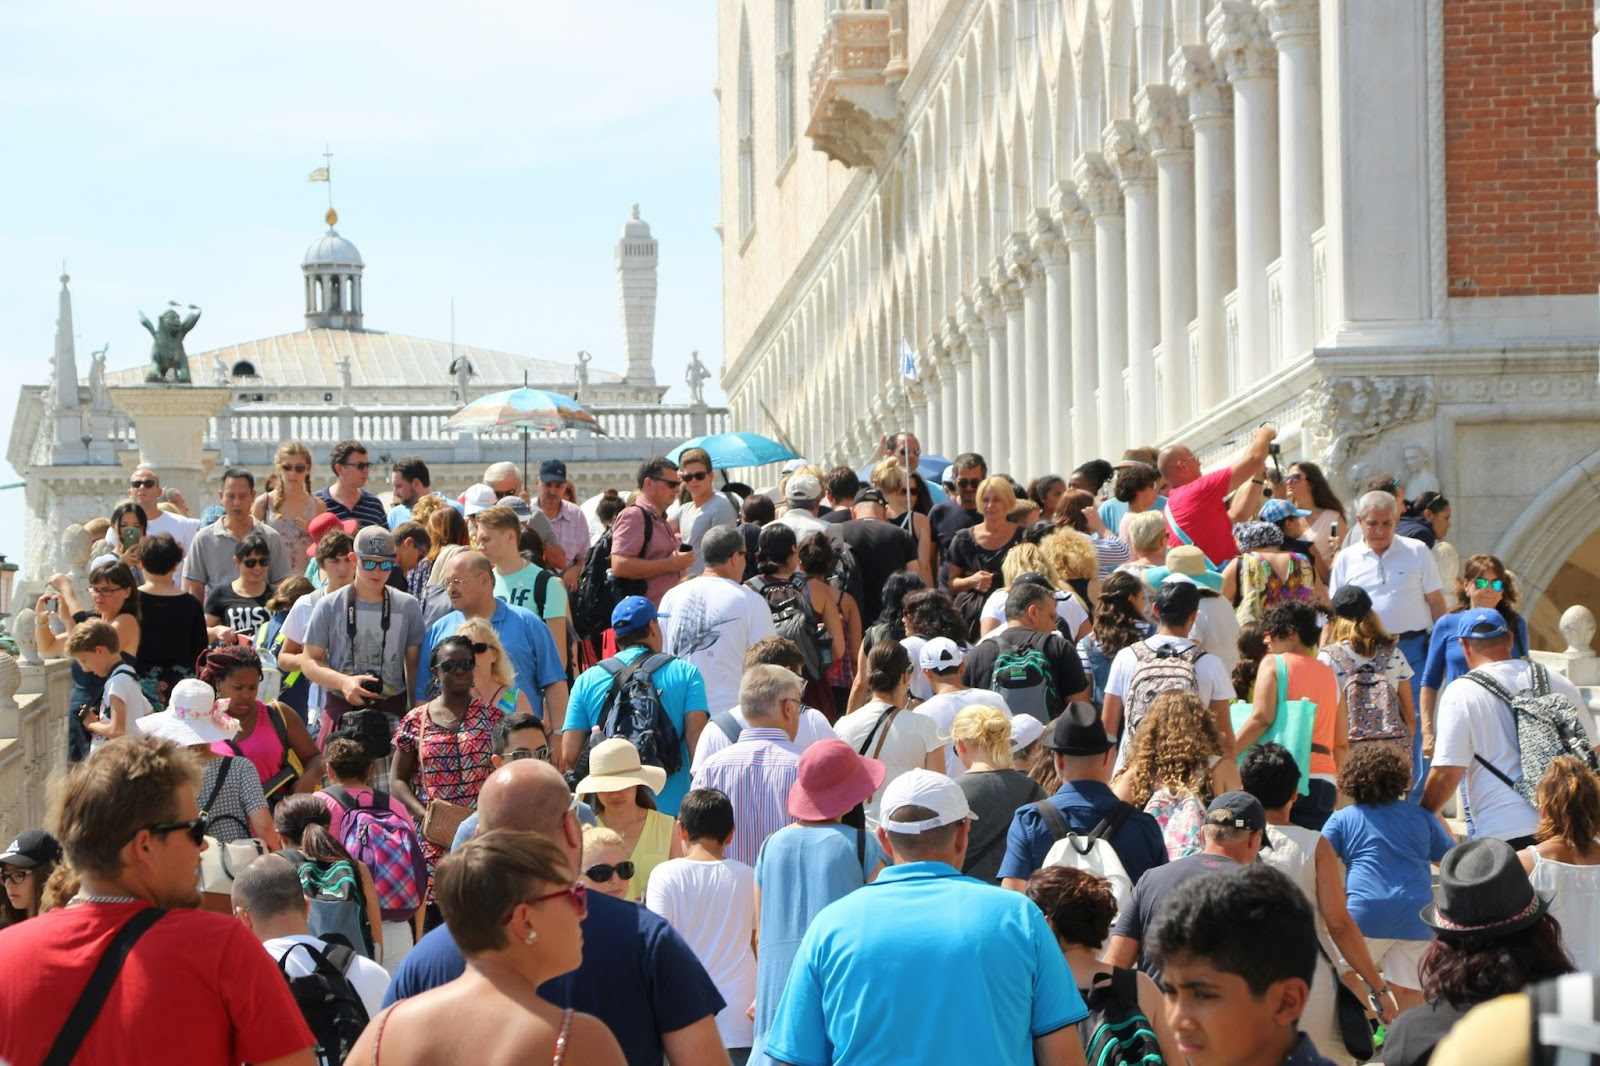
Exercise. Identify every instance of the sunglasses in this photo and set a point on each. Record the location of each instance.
(668, 484)
(478, 647)
(385, 565)
(603, 871)
(1490, 583)
(142, 483)
(15, 877)
(253, 562)
(456, 666)
(298, 468)
(577, 894)
(194, 827)
(1293, 478)
(358, 466)
(968, 482)
(541, 753)
(699, 475)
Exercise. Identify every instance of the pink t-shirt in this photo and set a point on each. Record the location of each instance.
(1198, 510)
(627, 538)
(362, 796)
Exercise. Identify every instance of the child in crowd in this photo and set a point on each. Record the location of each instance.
(711, 902)
(94, 646)
(607, 867)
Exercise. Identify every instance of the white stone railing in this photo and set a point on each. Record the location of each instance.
(33, 744)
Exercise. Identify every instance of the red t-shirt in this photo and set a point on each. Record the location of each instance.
(1198, 510)
(197, 988)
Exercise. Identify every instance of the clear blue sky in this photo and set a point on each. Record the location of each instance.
(486, 152)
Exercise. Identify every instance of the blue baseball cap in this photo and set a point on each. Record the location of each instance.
(1277, 509)
(1483, 623)
(633, 614)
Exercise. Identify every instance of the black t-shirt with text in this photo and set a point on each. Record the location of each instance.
(242, 614)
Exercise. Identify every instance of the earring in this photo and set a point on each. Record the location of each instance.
(533, 934)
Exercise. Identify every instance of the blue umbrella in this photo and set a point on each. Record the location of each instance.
(736, 449)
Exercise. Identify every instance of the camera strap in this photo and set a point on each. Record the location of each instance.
(350, 627)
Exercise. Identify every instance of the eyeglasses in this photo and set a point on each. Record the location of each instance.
(968, 482)
(501, 494)
(668, 484)
(456, 666)
(577, 894)
(454, 582)
(15, 877)
(195, 827)
(298, 468)
(105, 590)
(1290, 479)
(541, 753)
(142, 483)
(385, 565)
(699, 475)
(604, 871)
(1490, 583)
(253, 562)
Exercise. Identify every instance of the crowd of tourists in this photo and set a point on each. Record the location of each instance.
(1139, 763)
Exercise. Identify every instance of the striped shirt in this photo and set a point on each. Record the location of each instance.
(756, 773)
(368, 510)
(571, 528)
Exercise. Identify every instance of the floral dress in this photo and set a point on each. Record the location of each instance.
(1181, 816)
(293, 530)
(452, 764)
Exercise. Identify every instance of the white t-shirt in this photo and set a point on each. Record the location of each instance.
(920, 688)
(1068, 610)
(1398, 581)
(911, 737)
(370, 980)
(125, 686)
(1216, 629)
(711, 622)
(1470, 722)
(1212, 679)
(712, 905)
(943, 709)
(296, 624)
(813, 727)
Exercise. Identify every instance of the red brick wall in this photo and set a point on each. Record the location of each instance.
(1519, 126)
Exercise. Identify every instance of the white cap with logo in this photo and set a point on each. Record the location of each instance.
(924, 788)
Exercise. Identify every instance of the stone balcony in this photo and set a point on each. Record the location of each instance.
(855, 77)
(33, 738)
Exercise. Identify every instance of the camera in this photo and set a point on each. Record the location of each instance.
(372, 685)
(1274, 449)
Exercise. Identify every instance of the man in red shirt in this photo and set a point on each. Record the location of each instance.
(195, 987)
(1195, 511)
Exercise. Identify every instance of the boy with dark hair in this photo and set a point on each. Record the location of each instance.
(1237, 952)
(842, 485)
(711, 901)
(96, 649)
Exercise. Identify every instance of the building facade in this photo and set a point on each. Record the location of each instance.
(74, 442)
(1100, 223)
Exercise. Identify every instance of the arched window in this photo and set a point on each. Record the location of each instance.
(747, 147)
(244, 369)
(783, 50)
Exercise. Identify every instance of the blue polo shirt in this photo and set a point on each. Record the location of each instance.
(681, 689)
(527, 640)
(1084, 804)
(923, 942)
(637, 975)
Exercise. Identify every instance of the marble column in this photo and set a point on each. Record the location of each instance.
(916, 394)
(932, 387)
(972, 376)
(1035, 423)
(1098, 189)
(1019, 277)
(1210, 98)
(1244, 52)
(988, 369)
(1165, 129)
(1078, 229)
(1054, 391)
(1295, 30)
(953, 395)
(1128, 154)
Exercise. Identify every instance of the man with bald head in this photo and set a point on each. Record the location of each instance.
(1195, 511)
(531, 650)
(638, 976)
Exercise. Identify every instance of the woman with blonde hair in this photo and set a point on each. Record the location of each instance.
(607, 867)
(995, 790)
(1147, 538)
(1176, 766)
(494, 680)
(1565, 865)
(978, 553)
(515, 911)
(1074, 558)
(426, 505)
(889, 478)
(289, 506)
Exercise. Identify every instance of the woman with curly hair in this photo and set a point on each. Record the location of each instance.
(1074, 558)
(1387, 846)
(1078, 512)
(273, 739)
(1565, 865)
(1176, 766)
(1119, 621)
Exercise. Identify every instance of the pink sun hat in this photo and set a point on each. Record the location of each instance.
(833, 778)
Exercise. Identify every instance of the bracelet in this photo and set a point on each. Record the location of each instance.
(1258, 481)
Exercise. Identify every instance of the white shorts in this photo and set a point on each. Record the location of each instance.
(1398, 960)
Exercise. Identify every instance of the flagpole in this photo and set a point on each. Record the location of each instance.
(908, 372)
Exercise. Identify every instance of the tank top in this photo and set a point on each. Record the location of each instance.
(1294, 854)
(1574, 892)
(1314, 681)
(1260, 587)
(262, 747)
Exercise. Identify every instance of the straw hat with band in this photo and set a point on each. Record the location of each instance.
(614, 766)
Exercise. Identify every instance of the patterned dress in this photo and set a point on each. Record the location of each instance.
(452, 764)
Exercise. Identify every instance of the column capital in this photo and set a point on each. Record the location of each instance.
(1047, 242)
(1006, 278)
(1128, 153)
(1163, 120)
(1293, 22)
(1195, 75)
(986, 306)
(973, 330)
(1097, 185)
(1240, 42)
(1070, 216)
(955, 341)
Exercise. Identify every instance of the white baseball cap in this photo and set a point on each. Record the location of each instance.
(924, 788)
(941, 653)
(1025, 729)
(479, 497)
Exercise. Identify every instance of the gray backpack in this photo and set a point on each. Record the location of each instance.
(1547, 727)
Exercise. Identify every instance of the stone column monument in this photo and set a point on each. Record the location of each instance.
(170, 425)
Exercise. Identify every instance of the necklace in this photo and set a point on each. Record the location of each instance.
(102, 899)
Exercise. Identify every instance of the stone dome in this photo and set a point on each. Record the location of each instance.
(332, 250)
(635, 226)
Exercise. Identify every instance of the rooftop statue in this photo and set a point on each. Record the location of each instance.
(695, 377)
(166, 351)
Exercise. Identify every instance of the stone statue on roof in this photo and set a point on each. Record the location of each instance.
(166, 349)
(99, 397)
(343, 365)
(581, 373)
(219, 370)
(461, 367)
(695, 376)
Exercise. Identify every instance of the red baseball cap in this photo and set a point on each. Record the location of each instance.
(321, 524)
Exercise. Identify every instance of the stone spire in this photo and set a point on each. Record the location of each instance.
(65, 364)
(636, 291)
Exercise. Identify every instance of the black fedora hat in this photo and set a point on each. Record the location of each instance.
(1483, 890)
(1078, 732)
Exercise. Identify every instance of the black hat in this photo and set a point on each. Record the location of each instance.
(1078, 732)
(1033, 577)
(1352, 602)
(1237, 810)
(1483, 890)
(552, 470)
(369, 728)
(32, 847)
(871, 495)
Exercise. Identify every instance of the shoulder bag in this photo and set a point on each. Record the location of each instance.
(94, 994)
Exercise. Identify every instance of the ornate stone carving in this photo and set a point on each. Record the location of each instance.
(1069, 214)
(1163, 120)
(1239, 41)
(1195, 75)
(1292, 18)
(1098, 189)
(1046, 242)
(1347, 414)
(1418, 473)
(955, 340)
(1127, 152)
(1007, 281)
(973, 328)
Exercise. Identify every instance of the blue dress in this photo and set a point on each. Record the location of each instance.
(801, 869)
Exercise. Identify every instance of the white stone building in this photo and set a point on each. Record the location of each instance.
(337, 379)
(1101, 223)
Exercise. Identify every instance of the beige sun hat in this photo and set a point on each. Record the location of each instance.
(614, 765)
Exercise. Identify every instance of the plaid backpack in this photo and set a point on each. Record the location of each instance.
(388, 844)
(1372, 700)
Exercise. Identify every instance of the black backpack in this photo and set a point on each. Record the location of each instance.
(633, 712)
(1116, 1030)
(598, 592)
(793, 617)
(327, 1000)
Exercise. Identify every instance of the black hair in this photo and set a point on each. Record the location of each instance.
(453, 641)
(775, 546)
(887, 664)
(1270, 774)
(843, 484)
(1252, 922)
(1096, 472)
(1117, 623)
(654, 467)
(415, 532)
(1429, 503)
(160, 554)
(1023, 595)
(1041, 487)
(896, 588)
(239, 472)
(758, 509)
(1132, 480)
(412, 468)
(510, 724)
(252, 543)
(968, 460)
(1298, 620)
(817, 557)
(124, 508)
(934, 614)
(340, 453)
(609, 507)
(706, 814)
(1470, 968)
